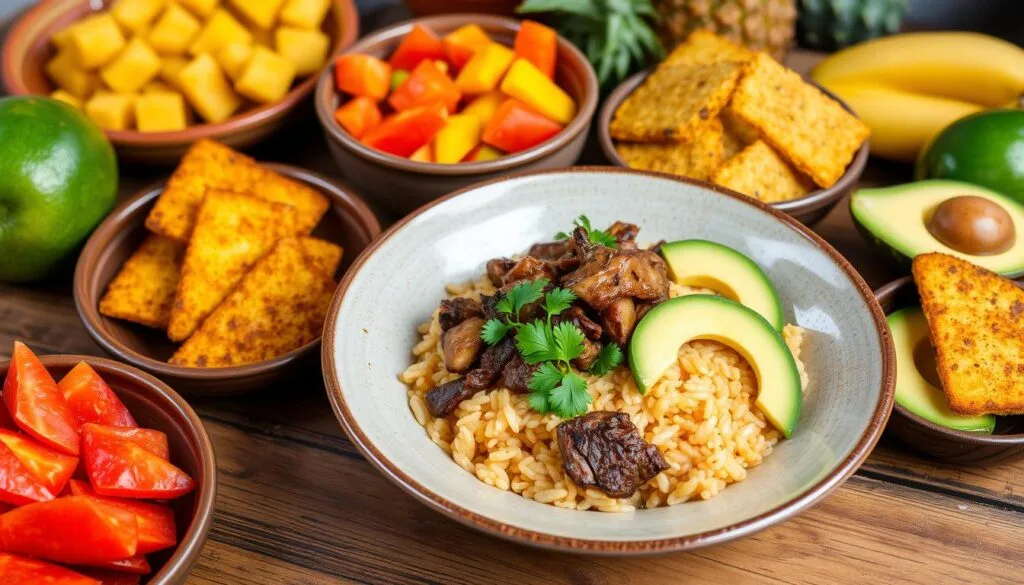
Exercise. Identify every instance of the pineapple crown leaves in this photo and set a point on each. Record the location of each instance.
(615, 35)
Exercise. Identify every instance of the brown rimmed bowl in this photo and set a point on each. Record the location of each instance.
(808, 210)
(397, 283)
(403, 185)
(431, 7)
(27, 48)
(1005, 444)
(348, 223)
(156, 406)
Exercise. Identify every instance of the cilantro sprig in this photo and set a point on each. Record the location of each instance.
(555, 386)
(597, 236)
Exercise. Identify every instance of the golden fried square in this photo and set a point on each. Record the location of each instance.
(143, 290)
(696, 159)
(325, 254)
(703, 46)
(759, 172)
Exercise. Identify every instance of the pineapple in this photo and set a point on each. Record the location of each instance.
(762, 25)
(833, 25)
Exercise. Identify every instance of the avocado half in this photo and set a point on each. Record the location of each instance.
(913, 391)
(659, 335)
(700, 263)
(894, 218)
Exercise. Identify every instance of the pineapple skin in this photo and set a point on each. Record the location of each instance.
(761, 25)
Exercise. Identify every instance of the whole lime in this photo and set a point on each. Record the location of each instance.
(58, 179)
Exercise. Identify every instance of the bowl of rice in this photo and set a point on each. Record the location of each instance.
(709, 462)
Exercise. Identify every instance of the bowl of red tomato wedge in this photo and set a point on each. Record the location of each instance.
(432, 105)
(107, 476)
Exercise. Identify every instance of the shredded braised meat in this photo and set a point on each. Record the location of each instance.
(457, 310)
(461, 344)
(607, 274)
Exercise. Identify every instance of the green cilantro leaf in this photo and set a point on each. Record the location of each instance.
(545, 378)
(539, 402)
(558, 300)
(535, 342)
(584, 222)
(597, 236)
(519, 296)
(570, 398)
(568, 341)
(504, 305)
(494, 331)
(607, 360)
(561, 236)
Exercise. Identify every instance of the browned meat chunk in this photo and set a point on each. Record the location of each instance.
(606, 275)
(517, 373)
(528, 268)
(492, 362)
(591, 349)
(443, 400)
(497, 268)
(461, 344)
(457, 310)
(603, 449)
(577, 317)
(489, 304)
(625, 234)
(619, 319)
(549, 250)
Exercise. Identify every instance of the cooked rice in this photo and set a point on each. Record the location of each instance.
(701, 415)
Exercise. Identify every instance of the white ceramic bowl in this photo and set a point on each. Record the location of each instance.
(399, 280)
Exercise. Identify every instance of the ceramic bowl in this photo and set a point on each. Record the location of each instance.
(348, 223)
(431, 7)
(960, 447)
(154, 405)
(371, 329)
(403, 185)
(27, 48)
(809, 209)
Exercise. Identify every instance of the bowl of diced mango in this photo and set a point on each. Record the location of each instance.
(157, 75)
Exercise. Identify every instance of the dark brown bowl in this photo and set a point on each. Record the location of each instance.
(27, 48)
(402, 184)
(808, 210)
(349, 223)
(1006, 443)
(431, 7)
(154, 405)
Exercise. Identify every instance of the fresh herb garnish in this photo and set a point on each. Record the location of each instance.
(555, 386)
(597, 236)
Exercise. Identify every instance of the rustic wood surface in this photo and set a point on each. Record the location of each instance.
(299, 505)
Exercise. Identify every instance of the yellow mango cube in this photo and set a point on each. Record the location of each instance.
(304, 13)
(96, 40)
(135, 16)
(156, 86)
(485, 106)
(206, 88)
(174, 31)
(461, 133)
(262, 13)
(529, 85)
(136, 66)
(233, 58)
(201, 8)
(161, 111)
(169, 69)
(485, 69)
(64, 96)
(267, 77)
(306, 49)
(110, 111)
(222, 29)
(485, 153)
(62, 38)
(65, 72)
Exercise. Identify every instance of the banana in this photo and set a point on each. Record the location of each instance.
(901, 122)
(968, 67)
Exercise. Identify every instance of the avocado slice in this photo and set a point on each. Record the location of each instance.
(659, 335)
(895, 218)
(913, 390)
(705, 264)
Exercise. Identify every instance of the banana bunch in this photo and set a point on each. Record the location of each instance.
(908, 87)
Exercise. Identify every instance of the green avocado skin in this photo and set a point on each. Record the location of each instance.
(985, 149)
(58, 179)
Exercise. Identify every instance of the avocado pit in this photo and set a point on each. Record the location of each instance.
(973, 225)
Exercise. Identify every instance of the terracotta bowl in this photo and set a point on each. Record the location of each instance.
(27, 48)
(431, 7)
(371, 330)
(155, 405)
(1006, 443)
(809, 209)
(403, 185)
(349, 223)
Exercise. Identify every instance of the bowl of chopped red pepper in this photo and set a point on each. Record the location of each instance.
(434, 104)
(106, 474)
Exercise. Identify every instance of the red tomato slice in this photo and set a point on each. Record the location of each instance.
(49, 467)
(35, 403)
(418, 45)
(403, 133)
(136, 565)
(77, 530)
(107, 577)
(149, 439)
(18, 570)
(538, 44)
(516, 126)
(426, 85)
(120, 467)
(17, 485)
(358, 116)
(362, 76)
(156, 522)
(91, 400)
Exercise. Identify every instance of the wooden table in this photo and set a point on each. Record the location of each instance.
(298, 503)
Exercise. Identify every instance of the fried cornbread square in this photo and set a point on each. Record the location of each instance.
(143, 291)
(696, 159)
(759, 172)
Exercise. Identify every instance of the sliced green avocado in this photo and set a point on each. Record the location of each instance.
(913, 391)
(705, 264)
(663, 330)
(896, 219)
